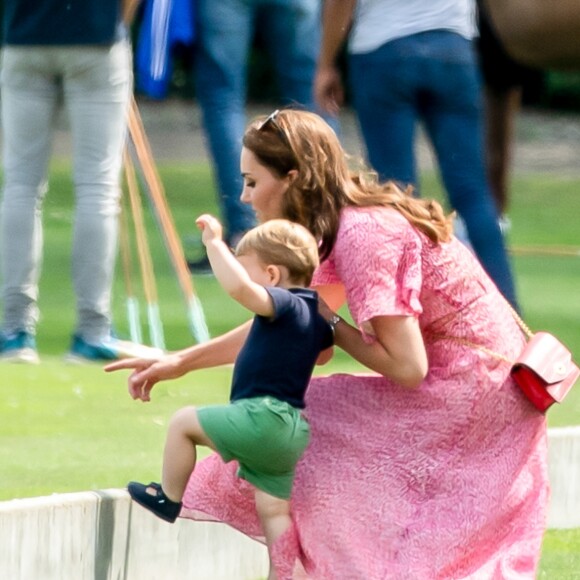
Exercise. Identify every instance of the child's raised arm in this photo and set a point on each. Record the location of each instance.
(231, 275)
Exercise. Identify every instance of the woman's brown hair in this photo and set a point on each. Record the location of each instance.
(298, 140)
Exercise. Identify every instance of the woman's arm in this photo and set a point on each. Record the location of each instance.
(398, 353)
(371, 272)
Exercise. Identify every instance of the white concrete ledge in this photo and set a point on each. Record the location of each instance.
(564, 464)
(104, 536)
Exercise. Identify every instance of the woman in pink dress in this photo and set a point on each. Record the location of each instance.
(433, 466)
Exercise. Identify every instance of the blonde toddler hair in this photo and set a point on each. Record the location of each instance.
(283, 243)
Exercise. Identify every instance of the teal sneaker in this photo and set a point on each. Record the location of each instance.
(19, 347)
(109, 349)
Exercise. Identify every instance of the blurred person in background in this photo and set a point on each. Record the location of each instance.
(503, 79)
(411, 61)
(75, 54)
(225, 30)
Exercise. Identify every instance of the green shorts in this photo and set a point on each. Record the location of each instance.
(266, 436)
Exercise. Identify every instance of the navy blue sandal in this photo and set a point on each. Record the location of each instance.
(157, 502)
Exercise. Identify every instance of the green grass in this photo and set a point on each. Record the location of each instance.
(69, 428)
(561, 555)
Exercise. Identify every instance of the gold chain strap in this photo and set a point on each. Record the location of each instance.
(474, 345)
(524, 327)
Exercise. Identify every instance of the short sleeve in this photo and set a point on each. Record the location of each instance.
(377, 257)
(325, 274)
(282, 299)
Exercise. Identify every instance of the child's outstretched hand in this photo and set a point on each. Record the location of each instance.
(210, 227)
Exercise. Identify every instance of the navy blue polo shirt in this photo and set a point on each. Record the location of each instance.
(280, 352)
(62, 22)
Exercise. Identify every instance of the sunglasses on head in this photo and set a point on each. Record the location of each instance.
(271, 121)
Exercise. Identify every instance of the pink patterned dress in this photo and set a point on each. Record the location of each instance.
(447, 481)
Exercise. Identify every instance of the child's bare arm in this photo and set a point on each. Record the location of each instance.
(229, 272)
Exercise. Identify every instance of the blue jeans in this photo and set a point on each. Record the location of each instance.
(432, 77)
(290, 29)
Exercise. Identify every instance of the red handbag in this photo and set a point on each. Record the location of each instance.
(545, 371)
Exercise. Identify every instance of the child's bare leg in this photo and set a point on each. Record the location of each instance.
(274, 514)
(179, 457)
